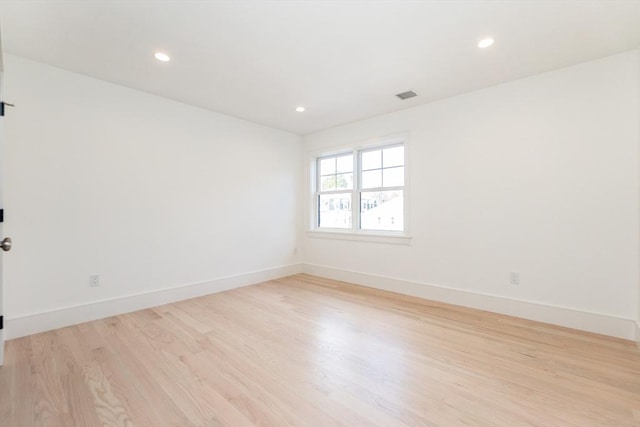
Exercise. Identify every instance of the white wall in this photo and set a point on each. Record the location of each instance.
(537, 176)
(148, 192)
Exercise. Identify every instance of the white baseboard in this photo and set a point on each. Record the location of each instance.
(44, 321)
(593, 322)
(562, 316)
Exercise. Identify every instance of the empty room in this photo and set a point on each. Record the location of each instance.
(319, 213)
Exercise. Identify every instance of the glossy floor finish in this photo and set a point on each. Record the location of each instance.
(305, 351)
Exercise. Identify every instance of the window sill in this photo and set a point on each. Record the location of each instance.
(388, 238)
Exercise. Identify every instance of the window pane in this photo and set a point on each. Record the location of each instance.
(393, 177)
(328, 166)
(371, 160)
(334, 210)
(372, 179)
(344, 181)
(382, 210)
(393, 156)
(328, 183)
(345, 164)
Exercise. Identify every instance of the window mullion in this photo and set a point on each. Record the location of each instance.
(399, 188)
(317, 197)
(355, 196)
(334, 192)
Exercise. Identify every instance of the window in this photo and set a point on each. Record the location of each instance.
(362, 190)
(335, 187)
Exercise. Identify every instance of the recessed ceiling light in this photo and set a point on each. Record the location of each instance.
(163, 57)
(300, 109)
(485, 42)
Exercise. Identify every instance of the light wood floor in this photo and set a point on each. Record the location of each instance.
(305, 351)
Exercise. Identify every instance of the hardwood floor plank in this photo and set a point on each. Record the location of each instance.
(17, 385)
(81, 405)
(309, 351)
(50, 401)
(109, 408)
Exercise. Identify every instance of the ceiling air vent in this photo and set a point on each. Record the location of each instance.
(406, 95)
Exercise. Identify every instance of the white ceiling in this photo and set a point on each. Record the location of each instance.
(342, 60)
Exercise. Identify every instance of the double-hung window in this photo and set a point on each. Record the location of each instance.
(362, 190)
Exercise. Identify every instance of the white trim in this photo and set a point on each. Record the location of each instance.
(359, 144)
(394, 239)
(563, 316)
(29, 324)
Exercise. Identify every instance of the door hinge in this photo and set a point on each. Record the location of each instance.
(2, 104)
(1, 323)
(1, 215)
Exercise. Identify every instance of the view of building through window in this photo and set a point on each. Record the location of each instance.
(377, 190)
(382, 176)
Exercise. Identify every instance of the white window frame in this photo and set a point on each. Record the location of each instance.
(355, 233)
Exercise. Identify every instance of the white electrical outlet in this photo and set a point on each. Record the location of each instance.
(94, 280)
(514, 278)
